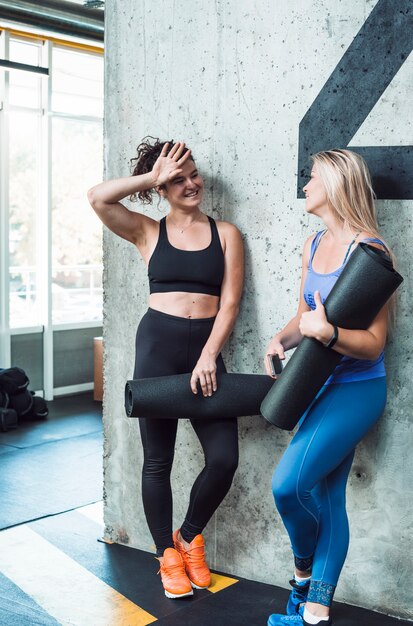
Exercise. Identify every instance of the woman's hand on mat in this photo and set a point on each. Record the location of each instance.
(315, 323)
(168, 166)
(275, 347)
(205, 373)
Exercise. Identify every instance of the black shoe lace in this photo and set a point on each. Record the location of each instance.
(299, 592)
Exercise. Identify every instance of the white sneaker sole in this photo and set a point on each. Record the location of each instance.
(197, 586)
(178, 595)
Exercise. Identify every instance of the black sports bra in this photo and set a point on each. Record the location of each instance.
(192, 271)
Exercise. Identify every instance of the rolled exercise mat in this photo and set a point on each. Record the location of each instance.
(364, 286)
(171, 397)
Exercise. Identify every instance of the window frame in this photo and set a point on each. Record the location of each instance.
(44, 205)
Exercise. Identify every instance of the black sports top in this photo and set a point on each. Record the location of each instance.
(192, 271)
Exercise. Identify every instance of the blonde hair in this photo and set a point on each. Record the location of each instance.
(347, 181)
(350, 194)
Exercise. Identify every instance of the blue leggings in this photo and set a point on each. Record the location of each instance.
(309, 484)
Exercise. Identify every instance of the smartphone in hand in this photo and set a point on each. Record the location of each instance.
(276, 365)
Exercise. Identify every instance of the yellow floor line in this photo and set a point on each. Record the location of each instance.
(93, 512)
(219, 582)
(63, 588)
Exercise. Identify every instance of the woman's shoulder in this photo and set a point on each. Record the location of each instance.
(230, 237)
(307, 248)
(311, 239)
(227, 228)
(375, 240)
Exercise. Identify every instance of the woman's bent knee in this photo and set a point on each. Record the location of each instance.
(228, 467)
(157, 467)
(284, 492)
(225, 466)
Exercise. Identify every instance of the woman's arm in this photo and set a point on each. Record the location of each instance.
(290, 336)
(105, 197)
(231, 291)
(358, 344)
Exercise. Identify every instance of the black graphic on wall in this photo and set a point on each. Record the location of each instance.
(367, 68)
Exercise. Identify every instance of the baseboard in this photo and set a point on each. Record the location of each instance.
(71, 389)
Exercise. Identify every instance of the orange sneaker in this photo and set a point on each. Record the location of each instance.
(175, 582)
(194, 559)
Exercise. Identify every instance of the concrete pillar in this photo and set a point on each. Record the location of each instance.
(235, 80)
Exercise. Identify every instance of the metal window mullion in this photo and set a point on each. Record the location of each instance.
(22, 109)
(44, 224)
(5, 347)
(77, 117)
(23, 67)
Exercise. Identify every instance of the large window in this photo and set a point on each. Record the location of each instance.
(24, 134)
(53, 148)
(77, 102)
(24, 141)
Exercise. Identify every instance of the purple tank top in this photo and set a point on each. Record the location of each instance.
(349, 369)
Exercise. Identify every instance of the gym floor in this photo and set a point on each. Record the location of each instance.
(54, 568)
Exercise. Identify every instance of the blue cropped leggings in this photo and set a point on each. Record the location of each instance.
(309, 484)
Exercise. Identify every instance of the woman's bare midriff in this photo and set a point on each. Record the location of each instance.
(182, 304)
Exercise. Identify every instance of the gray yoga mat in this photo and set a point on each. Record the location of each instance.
(171, 397)
(364, 286)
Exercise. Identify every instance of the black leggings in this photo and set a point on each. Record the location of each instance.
(165, 345)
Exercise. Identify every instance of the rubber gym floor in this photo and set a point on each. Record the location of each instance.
(54, 568)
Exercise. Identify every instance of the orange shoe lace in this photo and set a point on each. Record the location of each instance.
(174, 571)
(196, 557)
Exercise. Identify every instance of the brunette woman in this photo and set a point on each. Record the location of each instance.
(195, 271)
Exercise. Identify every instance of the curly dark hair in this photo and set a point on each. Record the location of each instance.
(145, 160)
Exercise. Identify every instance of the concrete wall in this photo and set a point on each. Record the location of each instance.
(235, 80)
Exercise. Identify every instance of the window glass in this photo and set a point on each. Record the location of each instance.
(25, 86)
(77, 82)
(23, 197)
(76, 164)
(76, 233)
(25, 89)
(24, 51)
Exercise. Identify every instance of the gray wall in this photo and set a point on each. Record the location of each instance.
(72, 356)
(235, 80)
(27, 353)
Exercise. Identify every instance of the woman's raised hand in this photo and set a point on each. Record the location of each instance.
(168, 166)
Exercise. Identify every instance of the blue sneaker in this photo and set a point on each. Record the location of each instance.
(297, 596)
(293, 620)
(285, 620)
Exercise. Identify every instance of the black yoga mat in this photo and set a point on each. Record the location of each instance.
(364, 286)
(171, 397)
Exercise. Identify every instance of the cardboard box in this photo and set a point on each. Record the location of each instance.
(98, 368)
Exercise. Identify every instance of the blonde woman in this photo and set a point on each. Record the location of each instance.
(310, 481)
